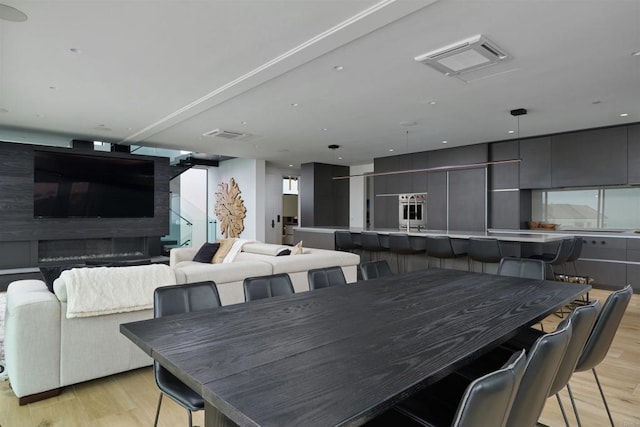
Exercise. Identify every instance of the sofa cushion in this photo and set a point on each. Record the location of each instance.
(191, 271)
(206, 252)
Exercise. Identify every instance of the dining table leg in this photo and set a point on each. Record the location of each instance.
(214, 418)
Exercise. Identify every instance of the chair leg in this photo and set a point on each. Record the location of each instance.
(564, 414)
(190, 420)
(155, 423)
(602, 394)
(573, 404)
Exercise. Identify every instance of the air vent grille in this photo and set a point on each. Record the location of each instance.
(227, 134)
(466, 55)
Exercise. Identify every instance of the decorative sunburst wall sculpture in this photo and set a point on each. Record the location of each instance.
(230, 209)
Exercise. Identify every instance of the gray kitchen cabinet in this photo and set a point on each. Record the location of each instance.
(633, 160)
(385, 208)
(598, 257)
(468, 154)
(504, 176)
(403, 182)
(419, 179)
(509, 209)
(535, 164)
(467, 204)
(593, 157)
(437, 201)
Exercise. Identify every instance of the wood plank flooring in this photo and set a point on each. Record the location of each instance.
(130, 399)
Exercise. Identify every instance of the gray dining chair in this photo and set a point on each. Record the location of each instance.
(168, 300)
(375, 269)
(325, 277)
(267, 286)
(600, 339)
(522, 267)
(582, 320)
(543, 360)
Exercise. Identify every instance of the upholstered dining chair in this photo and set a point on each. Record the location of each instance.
(267, 286)
(522, 267)
(582, 320)
(600, 339)
(168, 300)
(543, 360)
(375, 269)
(325, 277)
(486, 401)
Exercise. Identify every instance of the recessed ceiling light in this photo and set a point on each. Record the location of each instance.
(295, 104)
(445, 141)
(512, 131)
(339, 158)
(624, 114)
(12, 14)
(243, 122)
(324, 129)
(432, 102)
(290, 166)
(390, 149)
(75, 50)
(338, 67)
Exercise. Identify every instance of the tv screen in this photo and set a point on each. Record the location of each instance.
(68, 185)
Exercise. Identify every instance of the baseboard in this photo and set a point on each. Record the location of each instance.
(24, 400)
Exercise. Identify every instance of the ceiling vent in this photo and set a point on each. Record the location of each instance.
(227, 134)
(467, 55)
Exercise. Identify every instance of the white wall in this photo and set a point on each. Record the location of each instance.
(193, 204)
(357, 196)
(250, 176)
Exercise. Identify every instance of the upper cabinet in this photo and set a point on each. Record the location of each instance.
(634, 154)
(594, 157)
(535, 165)
(503, 176)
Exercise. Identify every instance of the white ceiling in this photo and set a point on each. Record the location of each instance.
(162, 73)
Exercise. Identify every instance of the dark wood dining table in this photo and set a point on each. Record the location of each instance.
(342, 355)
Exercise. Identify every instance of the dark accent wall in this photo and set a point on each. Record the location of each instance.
(21, 232)
(324, 201)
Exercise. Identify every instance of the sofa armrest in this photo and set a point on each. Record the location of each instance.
(32, 338)
(177, 255)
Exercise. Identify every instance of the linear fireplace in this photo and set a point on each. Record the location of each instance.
(70, 250)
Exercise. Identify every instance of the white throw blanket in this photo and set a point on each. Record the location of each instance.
(107, 290)
(235, 249)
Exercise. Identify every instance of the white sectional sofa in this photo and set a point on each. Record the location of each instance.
(46, 349)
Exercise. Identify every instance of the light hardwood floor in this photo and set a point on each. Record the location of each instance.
(130, 399)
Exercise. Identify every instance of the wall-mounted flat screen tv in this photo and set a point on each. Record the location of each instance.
(69, 185)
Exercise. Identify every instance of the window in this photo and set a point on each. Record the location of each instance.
(588, 208)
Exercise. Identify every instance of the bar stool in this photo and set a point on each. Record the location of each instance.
(370, 242)
(440, 247)
(344, 241)
(401, 244)
(484, 251)
(559, 258)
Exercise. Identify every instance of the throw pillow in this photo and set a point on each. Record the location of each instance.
(223, 250)
(206, 252)
(52, 272)
(297, 249)
(284, 252)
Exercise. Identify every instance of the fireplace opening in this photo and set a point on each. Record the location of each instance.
(73, 250)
